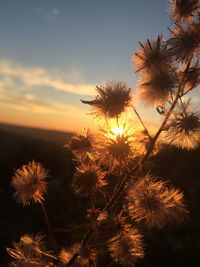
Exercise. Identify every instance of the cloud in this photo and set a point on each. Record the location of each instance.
(29, 76)
(30, 103)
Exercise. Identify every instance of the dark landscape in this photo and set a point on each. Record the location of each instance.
(175, 245)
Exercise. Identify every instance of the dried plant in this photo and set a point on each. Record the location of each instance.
(30, 183)
(30, 252)
(88, 179)
(104, 104)
(113, 166)
(152, 202)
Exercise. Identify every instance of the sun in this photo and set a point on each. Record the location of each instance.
(118, 131)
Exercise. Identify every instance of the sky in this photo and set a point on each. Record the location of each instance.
(54, 52)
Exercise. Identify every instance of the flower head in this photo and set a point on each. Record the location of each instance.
(191, 76)
(30, 252)
(152, 202)
(156, 86)
(112, 99)
(107, 226)
(82, 145)
(88, 179)
(116, 145)
(30, 184)
(86, 255)
(185, 41)
(152, 55)
(182, 10)
(128, 249)
(184, 126)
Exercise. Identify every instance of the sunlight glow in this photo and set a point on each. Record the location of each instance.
(118, 130)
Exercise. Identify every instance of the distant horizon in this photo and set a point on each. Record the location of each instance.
(54, 53)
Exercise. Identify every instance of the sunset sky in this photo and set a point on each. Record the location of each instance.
(53, 53)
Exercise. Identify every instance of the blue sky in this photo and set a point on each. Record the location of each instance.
(54, 52)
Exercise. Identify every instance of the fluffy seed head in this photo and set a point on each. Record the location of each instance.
(117, 145)
(151, 55)
(112, 99)
(88, 179)
(128, 249)
(30, 184)
(185, 41)
(117, 151)
(184, 126)
(182, 10)
(86, 256)
(191, 76)
(152, 202)
(156, 86)
(30, 252)
(107, 227)
(82, 145)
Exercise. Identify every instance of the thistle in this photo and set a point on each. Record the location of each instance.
(191, 76)
(152, 202)
(184, 126)
(182, 10)
(88, 179)
(155, 87)
(30, 252)
(118, 150)
(86, 256)
(30, 183)
(82, 145)
(128, 249)
(185, 41)
(152, 55)
(107, 226)
(113, 98)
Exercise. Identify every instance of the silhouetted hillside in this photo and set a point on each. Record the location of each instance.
(175, 246)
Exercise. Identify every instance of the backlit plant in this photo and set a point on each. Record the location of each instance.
(113, 163)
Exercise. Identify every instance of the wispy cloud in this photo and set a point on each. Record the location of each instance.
(39, 76)
(30, 103)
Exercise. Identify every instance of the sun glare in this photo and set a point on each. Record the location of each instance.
(118, 130)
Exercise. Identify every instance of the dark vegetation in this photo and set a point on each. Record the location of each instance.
(175, 245)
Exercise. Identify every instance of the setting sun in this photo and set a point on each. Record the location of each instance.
(118, 130)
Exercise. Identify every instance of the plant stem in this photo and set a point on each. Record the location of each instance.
(154, 139)
(123, 182)
(46, 217)
(47, 221)
(141, 121)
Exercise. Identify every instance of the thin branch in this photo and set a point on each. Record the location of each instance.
(141, 121)
(47, 221)
(46, 217)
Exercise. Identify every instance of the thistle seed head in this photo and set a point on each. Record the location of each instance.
(152, 202)
(30, 252)
(156, 86)
(113, 98)
(107, 227)
(182, 10)
(86, 255)
(191, 76)
(30, 183)
(128, 249)
(88, 179)
(117, 150)
(82, 145)
(152, 55)
(184, 126)
(185, 41)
